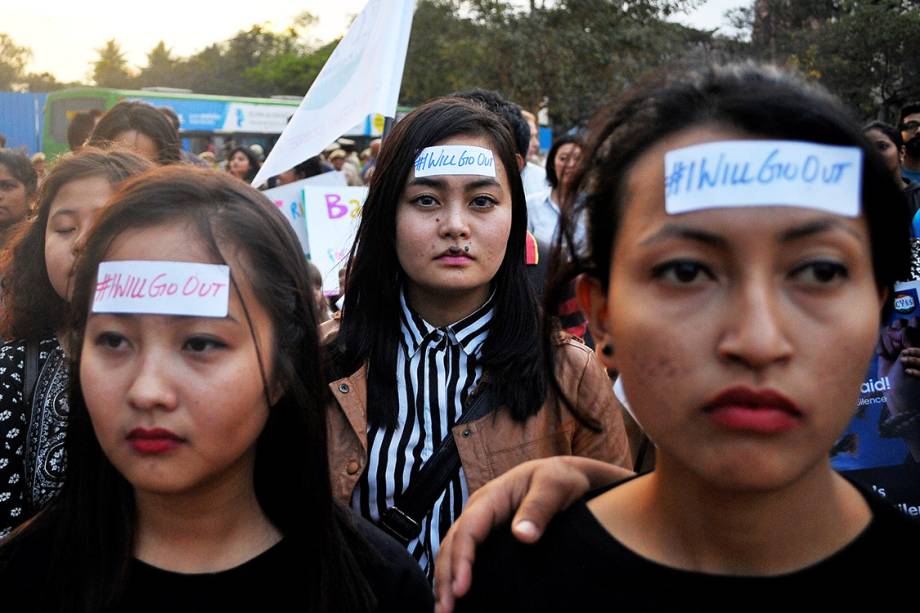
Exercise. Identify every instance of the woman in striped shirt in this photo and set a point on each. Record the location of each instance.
(437, 304)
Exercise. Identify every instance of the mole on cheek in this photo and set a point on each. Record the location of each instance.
(437, 219)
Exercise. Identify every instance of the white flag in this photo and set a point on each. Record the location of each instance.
(362, 76)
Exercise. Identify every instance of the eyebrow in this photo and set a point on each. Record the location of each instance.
(63, 212)
(686, 233)
(817, 227)
(715, 240)
(172, 318)
(442, 184)
(427, 182)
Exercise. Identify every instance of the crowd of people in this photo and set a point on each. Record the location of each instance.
(185, 424)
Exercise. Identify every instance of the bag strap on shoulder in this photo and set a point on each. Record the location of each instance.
(403, 520)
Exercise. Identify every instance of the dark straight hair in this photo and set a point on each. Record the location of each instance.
(565, 139)
(141, 117)
(254, 164)
(92, 522)
(893, 134)
(371, 315)
(761, 101)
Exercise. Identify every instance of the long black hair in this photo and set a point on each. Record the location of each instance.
(254, 163)
(757, 100)
(92, 521)
(370, 317)
(565, 139)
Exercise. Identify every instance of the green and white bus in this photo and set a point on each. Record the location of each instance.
(205, 121)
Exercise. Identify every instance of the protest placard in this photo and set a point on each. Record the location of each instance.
(332, 215)
(881, 446)
(290, 201)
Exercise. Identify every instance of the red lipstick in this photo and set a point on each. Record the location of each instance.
(758, 411)
(153, 441)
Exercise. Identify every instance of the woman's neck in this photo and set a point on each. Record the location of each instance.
(216, 527)
(673, 518)
(441, 308)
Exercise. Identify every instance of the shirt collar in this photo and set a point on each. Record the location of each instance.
(469, 333)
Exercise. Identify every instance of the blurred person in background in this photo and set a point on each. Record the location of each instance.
(18, 182)
(140, 127)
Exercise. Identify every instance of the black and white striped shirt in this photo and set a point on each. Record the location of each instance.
(436, 369)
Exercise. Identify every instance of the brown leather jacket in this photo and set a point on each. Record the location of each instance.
(495, 443)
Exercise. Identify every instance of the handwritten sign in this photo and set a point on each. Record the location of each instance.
(333, 214)
(162, 288)
(763, 173)
(289, 200)
(455, 160)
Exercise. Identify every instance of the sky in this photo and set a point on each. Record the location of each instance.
(64, 35)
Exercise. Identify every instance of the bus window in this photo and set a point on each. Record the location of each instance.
(63, 110)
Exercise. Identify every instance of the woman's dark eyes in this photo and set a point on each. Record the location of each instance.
(821, 273)
(110, 340)
(483, 201)
(199, 344)
(424, 201)
(682, 272)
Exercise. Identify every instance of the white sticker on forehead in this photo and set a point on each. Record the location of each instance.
(742, 173)
(162, 288)
(455, 160)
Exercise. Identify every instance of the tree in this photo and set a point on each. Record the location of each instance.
(41, 82)
(111, 68)
(290, 73)
(568, 55)
(160, 69)
(867, 52)
(869, 55)
(13, 60)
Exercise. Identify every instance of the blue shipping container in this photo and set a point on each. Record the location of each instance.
(21, 120)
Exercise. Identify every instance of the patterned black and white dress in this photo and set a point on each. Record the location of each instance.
(32, 460)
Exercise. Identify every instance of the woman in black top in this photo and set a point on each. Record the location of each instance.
(197, 472)
(744, 239)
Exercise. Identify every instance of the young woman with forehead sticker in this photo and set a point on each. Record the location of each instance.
(197, 471)
(741, 327)
(37, 283)
(439, 340)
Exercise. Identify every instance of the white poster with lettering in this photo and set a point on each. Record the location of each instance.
(455, 160)
(162, 288)
(332, 215)
(290, 201)
(763, 173)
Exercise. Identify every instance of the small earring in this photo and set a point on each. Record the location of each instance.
(607, 349)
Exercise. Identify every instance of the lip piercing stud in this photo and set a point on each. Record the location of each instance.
(467, 248)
